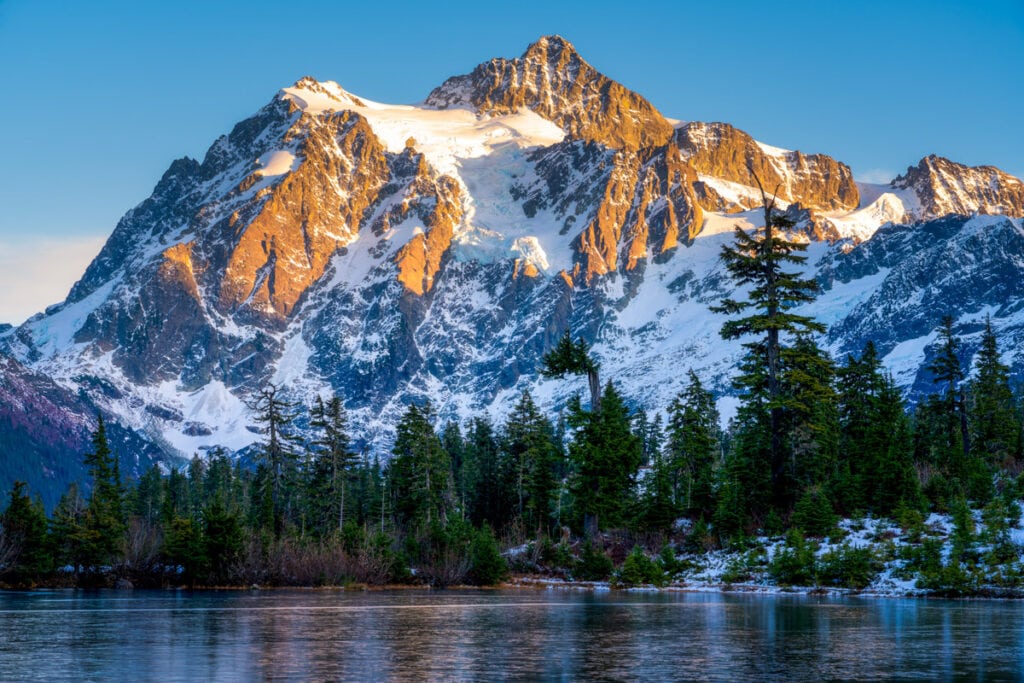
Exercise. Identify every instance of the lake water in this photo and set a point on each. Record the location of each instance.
(495, 635)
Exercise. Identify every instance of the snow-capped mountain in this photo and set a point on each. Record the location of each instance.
(389, 252)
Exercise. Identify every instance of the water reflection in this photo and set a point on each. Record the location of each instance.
(492, 635)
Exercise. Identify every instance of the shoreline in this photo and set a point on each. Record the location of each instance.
(532, 582)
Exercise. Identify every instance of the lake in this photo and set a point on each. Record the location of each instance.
(504, 634)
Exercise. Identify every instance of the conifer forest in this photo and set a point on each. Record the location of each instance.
(820, 449)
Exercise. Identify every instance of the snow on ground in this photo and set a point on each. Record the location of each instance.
(889, 546)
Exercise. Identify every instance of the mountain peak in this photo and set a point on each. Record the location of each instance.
(309, 94)
(945, 187)
(555, 82)
(552, 45)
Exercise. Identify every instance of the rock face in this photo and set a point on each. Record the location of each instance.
(552, 80)
(719, 151)
(945, 187)
(392, 253)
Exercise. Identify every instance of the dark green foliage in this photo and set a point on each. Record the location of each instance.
(24, 550)
(319, 513)
(992, 412)
(101, 535)
(443, 552)
(592, 564)
(531, 458)
(849, 567)
(331, 468)
(485, 478)
(811, 420)
(222, 540)
(605, 455)
(66, 527)
(796, 564)
(183, 547)
(657, 509)
(147, 501)
(996, 517)
(945, 422)
(573, 358)
(277, 456)
(639, 569)
(814, 514)
(486, 565)
(420, 476)
(670, 565)
(744, 489)
(694, 447)
(700, 538)
(757, 261)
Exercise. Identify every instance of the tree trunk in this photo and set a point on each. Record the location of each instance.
(595, 390)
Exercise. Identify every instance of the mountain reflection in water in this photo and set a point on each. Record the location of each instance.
(493, 635)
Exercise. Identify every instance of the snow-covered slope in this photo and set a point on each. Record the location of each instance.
(395, 252)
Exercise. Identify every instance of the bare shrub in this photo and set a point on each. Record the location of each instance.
(445, 566)
(143, 542)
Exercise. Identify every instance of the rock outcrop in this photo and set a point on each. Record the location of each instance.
(945, 187)
(552, 80)
(724, 153)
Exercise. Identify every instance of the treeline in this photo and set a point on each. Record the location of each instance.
(813, 439)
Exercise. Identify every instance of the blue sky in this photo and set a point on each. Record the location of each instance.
(99, 97)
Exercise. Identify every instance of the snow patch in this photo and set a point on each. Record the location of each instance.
(276, 163)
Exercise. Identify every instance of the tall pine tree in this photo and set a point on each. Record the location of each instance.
(694, 448)
(757, 261)
(992, 411)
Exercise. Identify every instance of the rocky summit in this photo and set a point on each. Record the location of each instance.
(387, 252)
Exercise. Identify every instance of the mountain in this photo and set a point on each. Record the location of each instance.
(389, 253)
(45, 429)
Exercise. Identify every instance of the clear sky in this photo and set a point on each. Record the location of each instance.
(99, 97)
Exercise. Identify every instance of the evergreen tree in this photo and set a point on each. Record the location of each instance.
(455, 446)
(175, 498)
(813, 419)
(605, 455)
(105, 522)
(486, 477)
(531, 457)
(184, 548)
(758, 261)
(859, 383)
(992, 414)
(24, 550)
(573, 358)
(67, 529)
(420, 473)
(222, 539)
(946, 371)
(333, 462)
(149, 493)
(948, 432)
(891, 476)
(744, 489)
(658, 510)
(694, 440)
(277, 452)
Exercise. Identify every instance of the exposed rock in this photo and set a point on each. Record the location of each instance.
(325, 249)
(945, 187)
(720, 151)
(554, 81)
